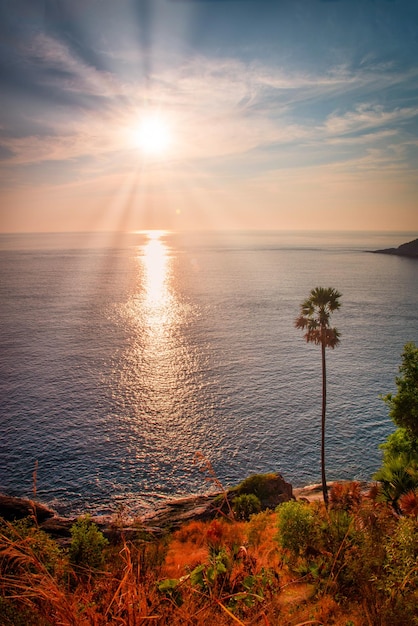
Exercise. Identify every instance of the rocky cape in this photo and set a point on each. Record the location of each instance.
(409, 249)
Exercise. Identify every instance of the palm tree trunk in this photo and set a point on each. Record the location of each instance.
(324, 402)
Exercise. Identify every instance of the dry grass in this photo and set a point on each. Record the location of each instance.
(208, 574)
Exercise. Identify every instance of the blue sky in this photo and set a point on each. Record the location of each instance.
(281, 114)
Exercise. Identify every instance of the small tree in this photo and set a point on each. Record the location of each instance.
(403, 407)
(314, 319)
(87, 545)
(399, 472)
(296, 526)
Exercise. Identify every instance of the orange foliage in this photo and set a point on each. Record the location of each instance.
(183, 557)
(191, 544)
(345, 495)
(409, 503)
(193, 532)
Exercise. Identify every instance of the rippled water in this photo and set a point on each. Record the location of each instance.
(123, 357)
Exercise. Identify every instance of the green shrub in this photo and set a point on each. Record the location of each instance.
(170, 588)
(246, 505)
(213, 574)
(35, 547)
(402, 556)
(404, 405)
(296, 527)
(87, 544)
(398, 475)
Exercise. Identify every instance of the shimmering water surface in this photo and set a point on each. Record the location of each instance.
(121, 357)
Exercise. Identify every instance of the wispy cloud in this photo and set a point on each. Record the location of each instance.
(366, 116)
(216, 108)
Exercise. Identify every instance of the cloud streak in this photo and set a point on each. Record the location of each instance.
(217, 109)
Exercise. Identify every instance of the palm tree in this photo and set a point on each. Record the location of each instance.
(314, 319)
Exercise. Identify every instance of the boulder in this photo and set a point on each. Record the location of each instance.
(271, 489)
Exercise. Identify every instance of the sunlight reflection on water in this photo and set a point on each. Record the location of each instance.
(153, 315)
(122, 362)
(159, 362)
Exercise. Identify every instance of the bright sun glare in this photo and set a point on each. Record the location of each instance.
(152, 136)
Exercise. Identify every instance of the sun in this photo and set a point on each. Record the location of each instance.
(152, 135)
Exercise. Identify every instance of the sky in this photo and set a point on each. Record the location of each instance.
(208, 114)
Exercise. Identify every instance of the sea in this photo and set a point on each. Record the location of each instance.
(149, 365)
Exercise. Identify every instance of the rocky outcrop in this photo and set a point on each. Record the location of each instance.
(12, 509)
(271, 489)
(409, 249)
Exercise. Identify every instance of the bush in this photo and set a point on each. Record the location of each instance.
(296, 527)
(259, 527)
(31, 547)
(87, 544)
(345, 496)
(398, 475)
(402, 556)
(246, 505)
(404, 405)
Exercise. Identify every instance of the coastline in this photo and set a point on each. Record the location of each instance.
(170, 515)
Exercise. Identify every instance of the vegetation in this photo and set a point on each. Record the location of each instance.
(353, 564)
(399, 472)
(87, 546)
(314, 319)
(246, 505)
(350, 561)
(404, 405)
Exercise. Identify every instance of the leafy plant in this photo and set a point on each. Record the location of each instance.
(246, 505)
(399, 472)
(170, 587)
(87, 545)
(212, 574)
(27, 538)
(398, 475)
(346, 496)
(404, 405)
(402, 556)
(296, 526)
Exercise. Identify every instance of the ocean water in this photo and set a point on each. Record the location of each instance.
(124, 356)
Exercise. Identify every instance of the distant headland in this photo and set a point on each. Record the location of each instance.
(409, 249)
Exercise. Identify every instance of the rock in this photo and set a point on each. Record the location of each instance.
(12, 508)
(58, 526)
(409, 249)
(271, 489)
(176, 512)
